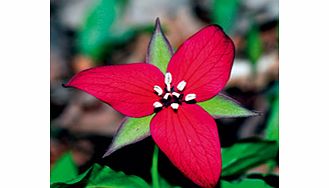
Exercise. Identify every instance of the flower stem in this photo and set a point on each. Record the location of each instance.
(154, 168)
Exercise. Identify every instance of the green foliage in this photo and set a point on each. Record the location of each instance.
(272, 127)
(64, 169)
(103, 176)
(102, 30)
(224, 13)
(159, 50)
(245, 155)
(272, 124)
(95, 34)
(245, 183)
(131, 131)
(254, 46)
(222, 107)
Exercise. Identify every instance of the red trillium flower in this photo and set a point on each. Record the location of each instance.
(182, 129)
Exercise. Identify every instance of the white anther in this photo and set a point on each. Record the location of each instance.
(190, 97)
(166, 96)
(181, 85)
(175, 94)
(158, 90)
(157, 105)
(174, 106)
(168, 79)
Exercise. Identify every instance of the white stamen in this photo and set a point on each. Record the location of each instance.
(168, 79)
(166, 96)
(168, 87)
(190, 97)
(157, 105)
(175, 94)
(174, 106)
(158, 90)
(181, 85)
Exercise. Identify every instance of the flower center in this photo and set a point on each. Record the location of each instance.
(172, 96)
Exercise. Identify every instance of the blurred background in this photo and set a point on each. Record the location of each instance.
(86, 33)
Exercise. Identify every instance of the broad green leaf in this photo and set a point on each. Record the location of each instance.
(131, 131)
(254, 46)
(224, 13)
(105, 177)
(272, 127)
(159, 50)
(222, 106)
(64, 169)
(95, 32)
(79, 180)
(102, 29)
(245, 183)
(245, 155)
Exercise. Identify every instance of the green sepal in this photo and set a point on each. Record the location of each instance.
(222, 106)
(131, 131)
(159, 50)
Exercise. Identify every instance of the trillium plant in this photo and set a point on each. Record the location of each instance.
(172, 97)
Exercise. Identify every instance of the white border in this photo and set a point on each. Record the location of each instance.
(304, 78)
(24, 77)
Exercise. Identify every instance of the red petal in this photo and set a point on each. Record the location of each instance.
(127, 88)
(190, 139)
(204, 61)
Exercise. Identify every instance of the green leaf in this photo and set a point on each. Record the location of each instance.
(222, 106)
(95, 32)
(224, 13)
(272, 127)
(254, 46)
(272, 130)
(102, 29)
(105, 177)
(245, 183)
(64, 169)
(131, 131)
(159, 50)
(79, 180)
(245, 155)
